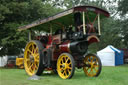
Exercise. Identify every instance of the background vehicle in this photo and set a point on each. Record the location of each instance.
(66, 47)
(11, 62)
(20, 61)
(125, 55)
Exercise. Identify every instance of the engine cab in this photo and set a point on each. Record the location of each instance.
(75, 39)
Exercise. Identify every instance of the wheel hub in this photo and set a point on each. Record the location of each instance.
(92, 65)
(64, 66)
(31, 58)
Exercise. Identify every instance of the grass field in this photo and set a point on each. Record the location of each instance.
(109, 76)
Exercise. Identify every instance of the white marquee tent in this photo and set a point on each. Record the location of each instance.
(3, 61)
(110, 56)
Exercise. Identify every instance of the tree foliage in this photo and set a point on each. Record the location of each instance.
(123, 9)
(15, 13)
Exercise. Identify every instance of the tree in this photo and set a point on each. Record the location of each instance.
(123, 9)
(15, 13)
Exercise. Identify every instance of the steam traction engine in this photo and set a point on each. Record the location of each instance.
(65, 48)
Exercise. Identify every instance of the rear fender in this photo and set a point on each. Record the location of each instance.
(92, 39)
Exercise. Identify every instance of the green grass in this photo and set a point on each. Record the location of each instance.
(109, 76)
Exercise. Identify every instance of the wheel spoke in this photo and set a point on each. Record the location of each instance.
(65, 72)
(28, 50)
(36, 66)
(87, 71)
(61, 69)
(67, 60)
(96, 65)
(36, 55)
(69, 67)
(30, 67)
(64, 59)
(88, 68)
(33, 48)
(61, 61)
(33, 67)
(91, 59)
(96, 61)
(69, 63)
(27, 60)
(91, 71)
(36, 60)
(86, 62)
(29, 64)
(96, 70)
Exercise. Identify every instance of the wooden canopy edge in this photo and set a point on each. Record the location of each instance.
(64, 13)
(38, 22)
(92, 8)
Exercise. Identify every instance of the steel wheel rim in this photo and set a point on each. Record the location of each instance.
(31, 58)
(93, 65)
(64, 66)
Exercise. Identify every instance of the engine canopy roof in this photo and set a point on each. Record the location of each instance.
(65, 18)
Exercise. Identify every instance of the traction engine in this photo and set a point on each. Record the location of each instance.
(64, 49)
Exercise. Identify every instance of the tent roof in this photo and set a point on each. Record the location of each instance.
(107, 49)
(110, 48)
(115, 49)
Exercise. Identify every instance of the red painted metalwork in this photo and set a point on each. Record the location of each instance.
(91, 8)
(92, 29)
(92, 39)
(56, 55)
(50, 39)
(56, 39)
(64, 47)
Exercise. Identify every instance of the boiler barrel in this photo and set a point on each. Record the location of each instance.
(77, 47)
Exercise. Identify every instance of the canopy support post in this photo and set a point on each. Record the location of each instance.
(99, 31)
(84, 29)
(29, 35)
(50, 29)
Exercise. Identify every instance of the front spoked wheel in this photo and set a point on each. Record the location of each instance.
(92, 65)
(65, 66)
